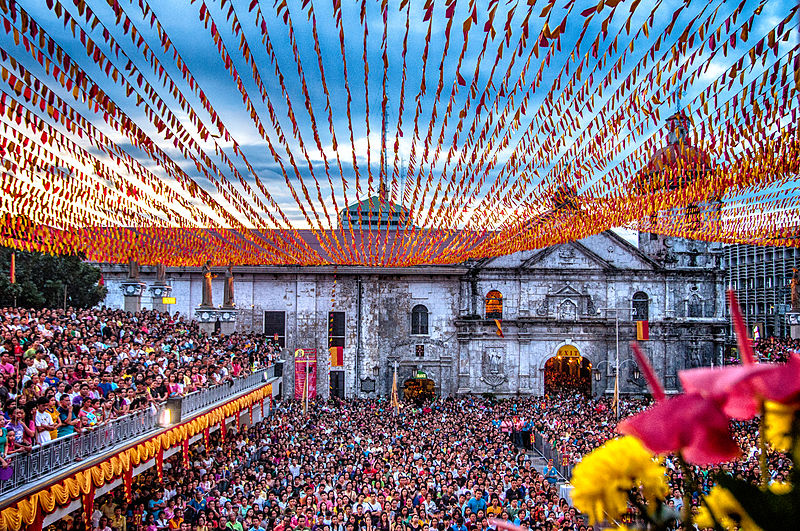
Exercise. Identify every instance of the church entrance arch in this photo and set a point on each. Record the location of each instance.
(419, 389)
(568, 372)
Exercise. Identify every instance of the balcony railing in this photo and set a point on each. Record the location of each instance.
(51, 458)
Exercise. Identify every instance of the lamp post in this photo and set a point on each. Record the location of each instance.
(616, 356)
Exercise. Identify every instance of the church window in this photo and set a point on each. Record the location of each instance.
(419, 320)
(641, 306)
(275, 326)
(336, 329)
(494, 305)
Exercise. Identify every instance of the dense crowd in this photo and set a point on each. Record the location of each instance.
(350, 466)
(65, 372)
(575, 426)
(356, 466)
(776, 349)
(768, 349)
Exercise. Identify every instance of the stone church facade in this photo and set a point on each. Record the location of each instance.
(441, 319)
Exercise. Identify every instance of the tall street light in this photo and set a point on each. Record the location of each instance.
(616, 357)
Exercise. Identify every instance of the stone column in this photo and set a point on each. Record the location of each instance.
(132, 291)
(158, 292)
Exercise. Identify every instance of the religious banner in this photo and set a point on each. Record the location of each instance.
(305, 362)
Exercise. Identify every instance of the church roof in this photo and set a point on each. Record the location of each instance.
(375, 211)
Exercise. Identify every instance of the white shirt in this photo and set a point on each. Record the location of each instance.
(43, 418)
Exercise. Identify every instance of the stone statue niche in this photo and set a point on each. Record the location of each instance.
(161, 273)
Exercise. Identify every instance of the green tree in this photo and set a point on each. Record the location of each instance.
(44, 280)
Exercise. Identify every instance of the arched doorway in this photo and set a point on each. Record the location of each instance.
(419, 389)
(568, 372)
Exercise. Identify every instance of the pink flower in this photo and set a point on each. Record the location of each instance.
(734, 389)
(739, 390)
(690, 424)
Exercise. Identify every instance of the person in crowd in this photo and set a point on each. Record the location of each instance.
(109, 363)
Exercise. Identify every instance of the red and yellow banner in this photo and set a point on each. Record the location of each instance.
(337, 356)
(305, 373)
(642, 330)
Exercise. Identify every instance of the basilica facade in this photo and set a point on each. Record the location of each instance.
(487, 326)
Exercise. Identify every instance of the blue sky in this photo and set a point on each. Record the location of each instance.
(193, 42)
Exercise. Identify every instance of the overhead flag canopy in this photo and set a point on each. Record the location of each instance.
(393, 132)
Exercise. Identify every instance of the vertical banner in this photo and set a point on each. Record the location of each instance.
(127, 482)
(305, 361)
(87, 500)
(160, 463)
(337, 356)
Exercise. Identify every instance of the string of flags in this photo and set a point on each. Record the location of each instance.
(524, 124)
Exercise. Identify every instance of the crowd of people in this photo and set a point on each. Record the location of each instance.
(349, 466)
(776, 350)
(355, 465)
(64, 372)
(575, 426)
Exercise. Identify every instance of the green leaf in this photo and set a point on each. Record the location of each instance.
(768, 510)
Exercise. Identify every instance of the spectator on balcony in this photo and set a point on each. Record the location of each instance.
(106, 385)
(66, 417)
(43, 421)
(107, 411)
(174, 389)
(52, 410)
(24, 430)
(5, 442)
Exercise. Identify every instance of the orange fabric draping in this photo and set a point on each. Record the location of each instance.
(82, 484)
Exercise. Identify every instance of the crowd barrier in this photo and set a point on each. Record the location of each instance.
(58, 455)
(535, 441)
(544, 447)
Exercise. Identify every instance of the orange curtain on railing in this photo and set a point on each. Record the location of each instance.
(24, 513)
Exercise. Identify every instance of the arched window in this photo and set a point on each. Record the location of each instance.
(494, 305)
(641, 306)
(419, 320)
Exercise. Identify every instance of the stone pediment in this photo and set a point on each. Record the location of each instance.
(571, 255)
(604, 251)
(568, 291)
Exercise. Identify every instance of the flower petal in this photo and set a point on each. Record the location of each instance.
(782, 383)
(690, 424)
(733, 388)
(745, 347)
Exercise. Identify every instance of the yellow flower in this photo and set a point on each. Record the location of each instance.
(780, 488)
(778, 425)
(729, 514)
(603, 478)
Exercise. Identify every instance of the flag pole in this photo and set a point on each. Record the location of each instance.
(13, 273)
(395, 402)
(305, 391)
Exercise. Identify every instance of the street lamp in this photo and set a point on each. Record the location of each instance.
(597, 374)
(616, 357)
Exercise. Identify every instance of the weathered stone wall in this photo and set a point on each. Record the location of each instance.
(551, 297)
